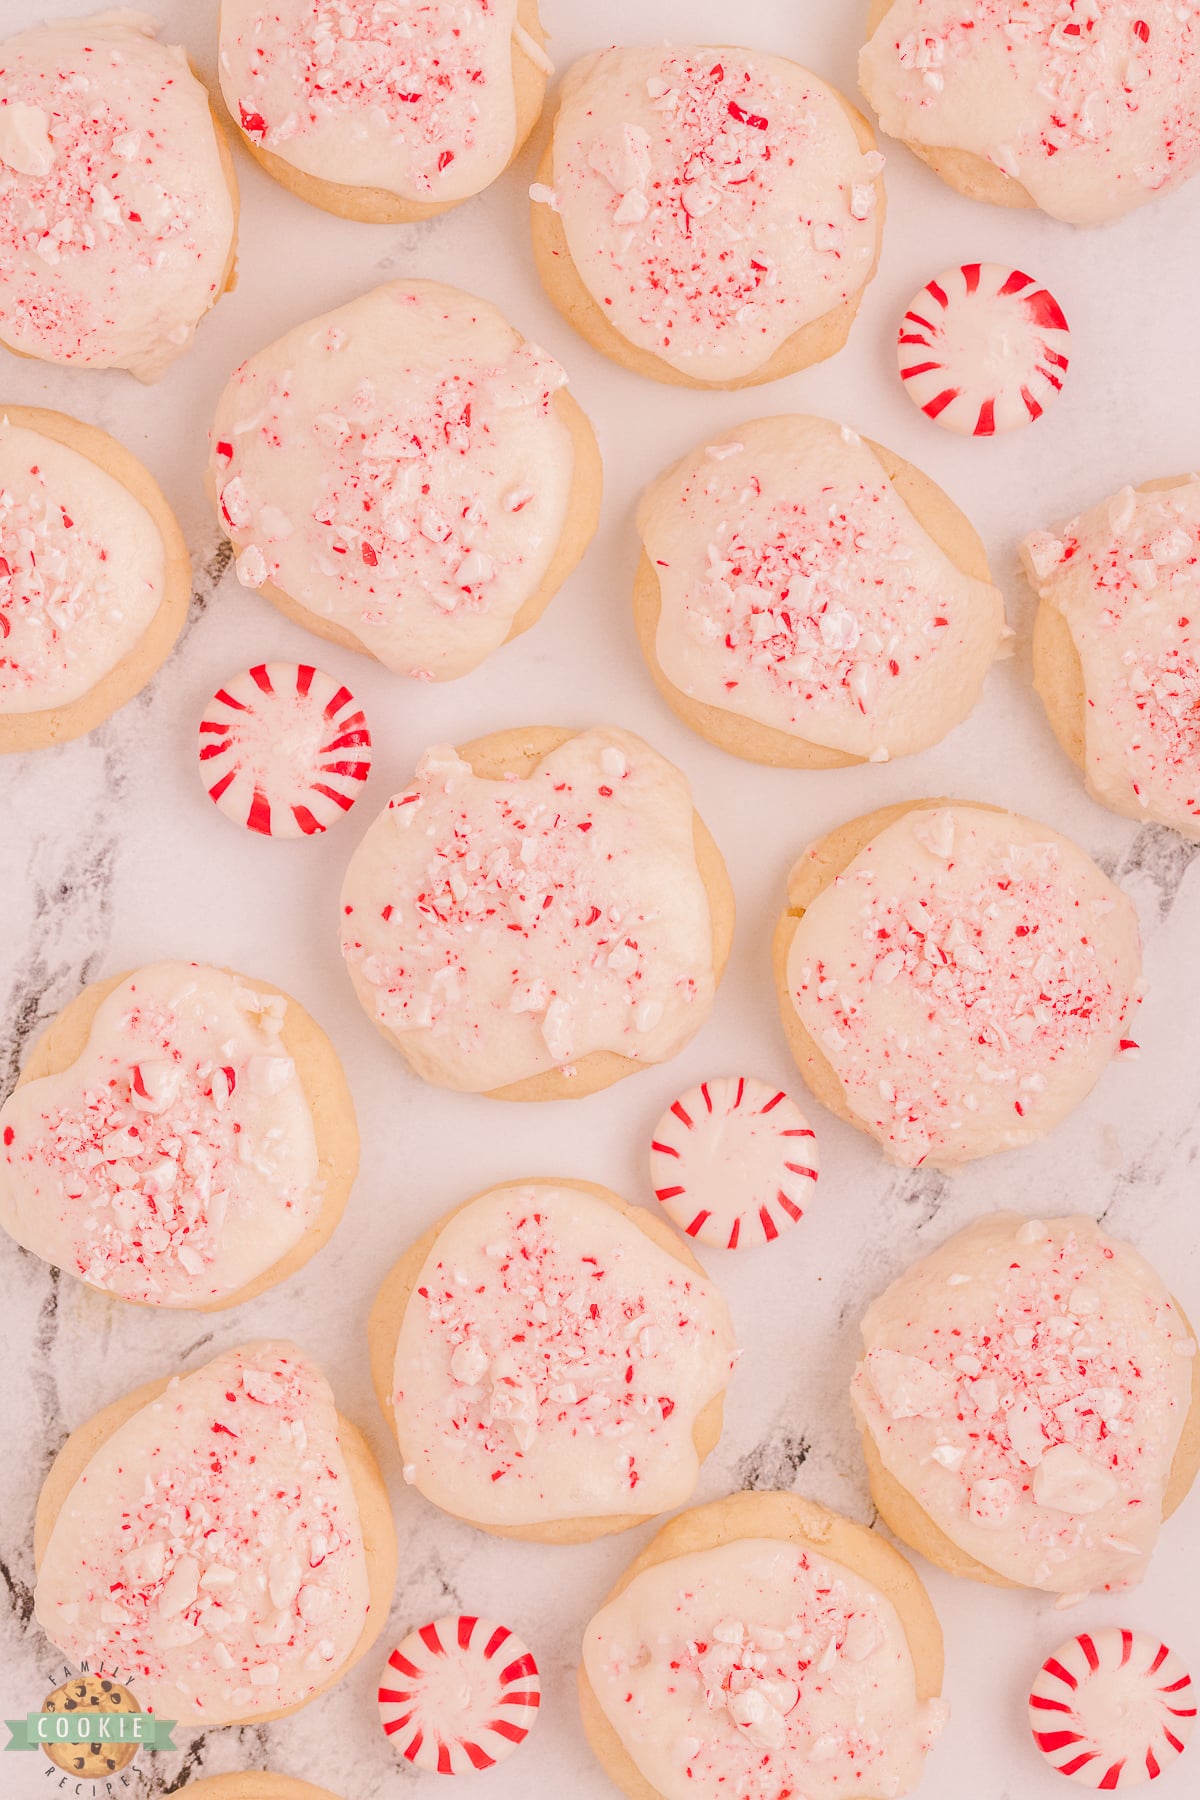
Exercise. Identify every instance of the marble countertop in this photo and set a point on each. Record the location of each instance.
(111, 856)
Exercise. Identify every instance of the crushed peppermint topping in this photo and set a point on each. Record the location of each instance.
(761, 1668)
(70, 608)
(1093, 105)
(713, 202)
(1048, 1383)
(503, 927)
(212, 1546)
(398, 467)
(968, 976)
(183, 1129)
(415, 96)
(1125, 576)
(799, 590)
(565, 1351)
(116, 223)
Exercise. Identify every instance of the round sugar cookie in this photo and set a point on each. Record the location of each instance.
(257, 1785)
(392, 122)
(458, 1694)
(1005, 969)
(983, 349)
(1112, 1709)
(306, 1534)
(95, 577)
(181, 1136)
(705, 215)
(569, 879)
(418, 484)
(746, 1630)
(1036, 109)
(284, 749)
(807, 599)
(119, 209)
(999, 1493)
(733, 1162)
(574, 1386)
(1116, 647)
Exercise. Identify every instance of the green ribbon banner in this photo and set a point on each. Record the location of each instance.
(37, 1731)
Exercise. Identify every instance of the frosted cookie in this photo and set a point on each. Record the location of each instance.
(707, 215)
(1029, 1399)
(406, 476)
(806, 598)
(1116, 647)
(552, 1362)
(953, 978)
(761, 1645)
(118, 202)
(538, 914)
(383, 113)
(1084, 111)
(224, 1535)
(256, 1786)
(95, 577)
(182, 1136)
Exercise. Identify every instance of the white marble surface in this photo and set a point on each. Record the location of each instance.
(111, 856)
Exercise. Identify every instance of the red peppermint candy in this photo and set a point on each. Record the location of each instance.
(733, 1161)
(459, 1694)
(284, 749)
(1112, 1709)
(983, 349)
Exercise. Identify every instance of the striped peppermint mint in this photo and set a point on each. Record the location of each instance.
(983, 349)
(733, 1162)
(1112, 1708)
(458, 1694)
(284, 749)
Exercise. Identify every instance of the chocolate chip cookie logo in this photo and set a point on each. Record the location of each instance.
(90, 1727)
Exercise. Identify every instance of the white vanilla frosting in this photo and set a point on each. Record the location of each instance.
(399, 468)
(760, 1669)
(116, 219)
(1092, 105)
(1126, 578)
(714, 200)
(414, 96)
(968, 976)
(799, 591)
(175, 1160)
(212, 1546)
(503, 928)
(1027, 1384)
(82, 571)
(553, 1361)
